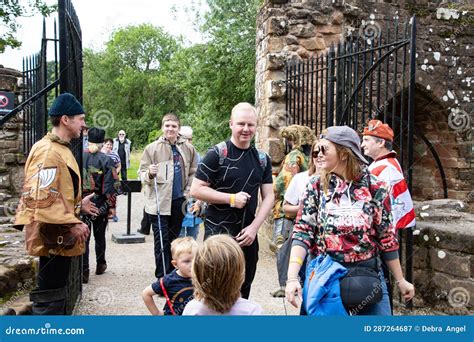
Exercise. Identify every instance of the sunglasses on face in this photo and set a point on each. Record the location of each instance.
(318, 149)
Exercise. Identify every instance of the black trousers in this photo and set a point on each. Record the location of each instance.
(49, 298)
(251, 260)
(250, 255)
(170, 229)
(53, 272)
(123, 171)
(145, 224)
(97, 225)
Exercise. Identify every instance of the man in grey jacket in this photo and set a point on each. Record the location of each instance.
(170, 161)
(123, 147)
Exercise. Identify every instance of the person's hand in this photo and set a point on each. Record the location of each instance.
(153, 170)
(112, 212)
(80, 231)
(246, 236)
(241, 199)
(196, 207)
(88, 207)
(292, 291)
(407, 290)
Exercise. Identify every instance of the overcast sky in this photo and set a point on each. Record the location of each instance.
(99, 18)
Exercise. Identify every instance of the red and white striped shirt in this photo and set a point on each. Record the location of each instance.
(387, 169)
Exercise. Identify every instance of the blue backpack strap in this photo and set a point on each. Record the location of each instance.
(222, 152)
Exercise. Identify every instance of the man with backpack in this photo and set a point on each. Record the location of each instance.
(229, 179)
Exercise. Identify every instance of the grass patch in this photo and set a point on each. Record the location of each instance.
(134, 164)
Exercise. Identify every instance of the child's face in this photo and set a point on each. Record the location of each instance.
(183, 264)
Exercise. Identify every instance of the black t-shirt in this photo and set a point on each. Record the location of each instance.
(180, 291)
(122, 154)
(241, 170)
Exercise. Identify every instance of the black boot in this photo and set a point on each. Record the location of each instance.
(85, 276)
(49, 302)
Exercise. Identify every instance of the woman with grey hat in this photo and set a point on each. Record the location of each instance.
(345, 225)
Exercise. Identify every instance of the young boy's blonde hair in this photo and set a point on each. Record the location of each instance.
(218, 273)
(183, 245)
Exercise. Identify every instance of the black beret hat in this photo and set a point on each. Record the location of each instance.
(66, 104)
(96, 135)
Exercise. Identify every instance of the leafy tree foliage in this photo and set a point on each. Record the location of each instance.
(124, 85)
(10, 11)
(143, 73)
(220, 72)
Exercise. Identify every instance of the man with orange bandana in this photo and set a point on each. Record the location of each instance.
(377, 143)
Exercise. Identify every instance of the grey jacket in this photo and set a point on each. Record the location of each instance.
(128, 144)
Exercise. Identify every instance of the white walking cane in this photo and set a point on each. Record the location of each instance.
(159, 226)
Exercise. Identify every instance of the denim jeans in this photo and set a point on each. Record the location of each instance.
(282, 226)
(190, 231)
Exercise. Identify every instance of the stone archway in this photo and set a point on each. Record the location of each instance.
(441, 155)
(432, 119)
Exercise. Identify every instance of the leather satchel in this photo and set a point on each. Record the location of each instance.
(57, 236)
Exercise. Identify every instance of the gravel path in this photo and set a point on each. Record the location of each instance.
(131, 269)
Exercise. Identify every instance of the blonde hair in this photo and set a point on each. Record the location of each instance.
(243, 107)
(218, 273)
(94, 148)
(312, 170)
(183, 245)
(352, 167)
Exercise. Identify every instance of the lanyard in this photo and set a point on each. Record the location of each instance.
(168, 301)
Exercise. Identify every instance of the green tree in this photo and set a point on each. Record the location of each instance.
(144, 73)
(219, 73)
(10, 11)
(125, 86)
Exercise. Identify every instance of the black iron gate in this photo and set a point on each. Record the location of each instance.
(371, 74)
(40, 78)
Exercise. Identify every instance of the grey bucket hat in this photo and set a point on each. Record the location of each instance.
(347, 137)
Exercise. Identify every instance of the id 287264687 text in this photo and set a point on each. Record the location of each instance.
(414, 328)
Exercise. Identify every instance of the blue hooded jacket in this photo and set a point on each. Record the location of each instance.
(321, 291)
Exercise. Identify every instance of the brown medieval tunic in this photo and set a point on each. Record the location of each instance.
(51, 196)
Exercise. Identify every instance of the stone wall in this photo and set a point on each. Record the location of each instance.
(12, 158)
(17, 269)
(285, 33)
(444, 257)
(296, 30)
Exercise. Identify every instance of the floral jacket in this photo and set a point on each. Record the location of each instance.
(348, 229)
(295, 162)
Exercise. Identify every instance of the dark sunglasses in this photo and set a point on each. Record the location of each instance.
(321, 149)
